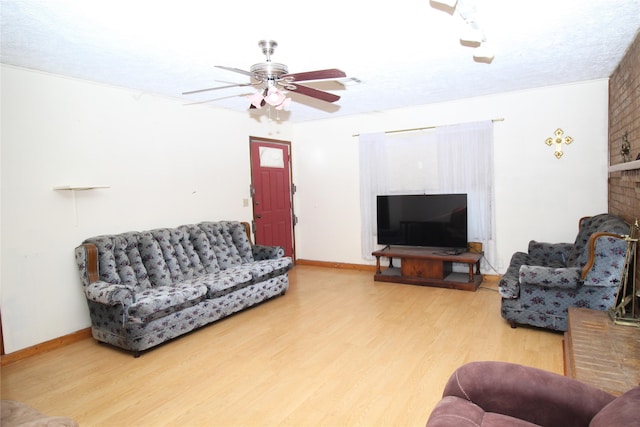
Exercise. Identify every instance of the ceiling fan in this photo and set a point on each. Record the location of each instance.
(272, 78)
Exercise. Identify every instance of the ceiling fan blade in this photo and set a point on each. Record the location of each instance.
(332, 73)
(236, 70)
(314, 93)
(216, 88)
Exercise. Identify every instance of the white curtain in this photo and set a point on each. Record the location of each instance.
(465, 160)
(372, 182)
(447, 159)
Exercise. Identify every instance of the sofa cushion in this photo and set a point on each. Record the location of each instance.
(585, 228)
(550, 254)
(109, 293)
(223, 282)
(261, 252)
(129, 262)
(605, 222)
(239, 239)
(563, 278)
(608, 274)
(453, 411)
(222, 244)
(178, 253)
(265, 269)
(153, 260)
(120, 261)
(623, 411)
(163, 300)
(202, 247)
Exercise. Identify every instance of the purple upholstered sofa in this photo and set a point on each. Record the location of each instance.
(490, 394)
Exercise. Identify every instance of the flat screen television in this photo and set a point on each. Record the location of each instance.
(430, 220)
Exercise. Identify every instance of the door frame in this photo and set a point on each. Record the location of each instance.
(292, 189)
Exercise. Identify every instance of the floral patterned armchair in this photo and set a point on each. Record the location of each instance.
(540, 285)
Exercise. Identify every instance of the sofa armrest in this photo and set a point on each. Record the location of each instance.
(550, 252)
(606, 257)
(527, 393)
(109, 293)
(87, 262)
(563, 278)
(262, 252)
(267, 252)
(95, 289)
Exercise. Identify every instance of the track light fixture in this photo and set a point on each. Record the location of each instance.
(472, 34)
(448, 3)
(483, 53)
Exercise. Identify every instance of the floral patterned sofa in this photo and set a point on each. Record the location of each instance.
(144, 288)
(540, 285)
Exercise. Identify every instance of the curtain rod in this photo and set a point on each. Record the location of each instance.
(422, 128)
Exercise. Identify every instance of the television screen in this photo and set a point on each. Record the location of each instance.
(432, 220)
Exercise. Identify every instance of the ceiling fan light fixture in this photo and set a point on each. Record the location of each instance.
(284, 104)
(274, 97)
(256, 100)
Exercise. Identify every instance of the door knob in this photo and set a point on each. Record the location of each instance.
(259, 216)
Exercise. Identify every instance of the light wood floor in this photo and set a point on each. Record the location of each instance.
(338, 349)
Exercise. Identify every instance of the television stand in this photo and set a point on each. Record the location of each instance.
(429, 267)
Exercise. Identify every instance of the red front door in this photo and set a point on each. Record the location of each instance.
(271, 181)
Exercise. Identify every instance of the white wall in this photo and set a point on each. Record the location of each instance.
(537, 196)
(167, 164)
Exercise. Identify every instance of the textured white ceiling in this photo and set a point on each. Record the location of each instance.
(404, 53)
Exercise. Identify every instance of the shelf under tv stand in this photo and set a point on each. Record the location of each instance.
(429, 267)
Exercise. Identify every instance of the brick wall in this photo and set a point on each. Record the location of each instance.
(624, 117)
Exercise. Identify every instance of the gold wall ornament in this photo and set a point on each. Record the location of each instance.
(558, 140)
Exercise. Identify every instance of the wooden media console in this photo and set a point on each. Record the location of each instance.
(429, 267)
